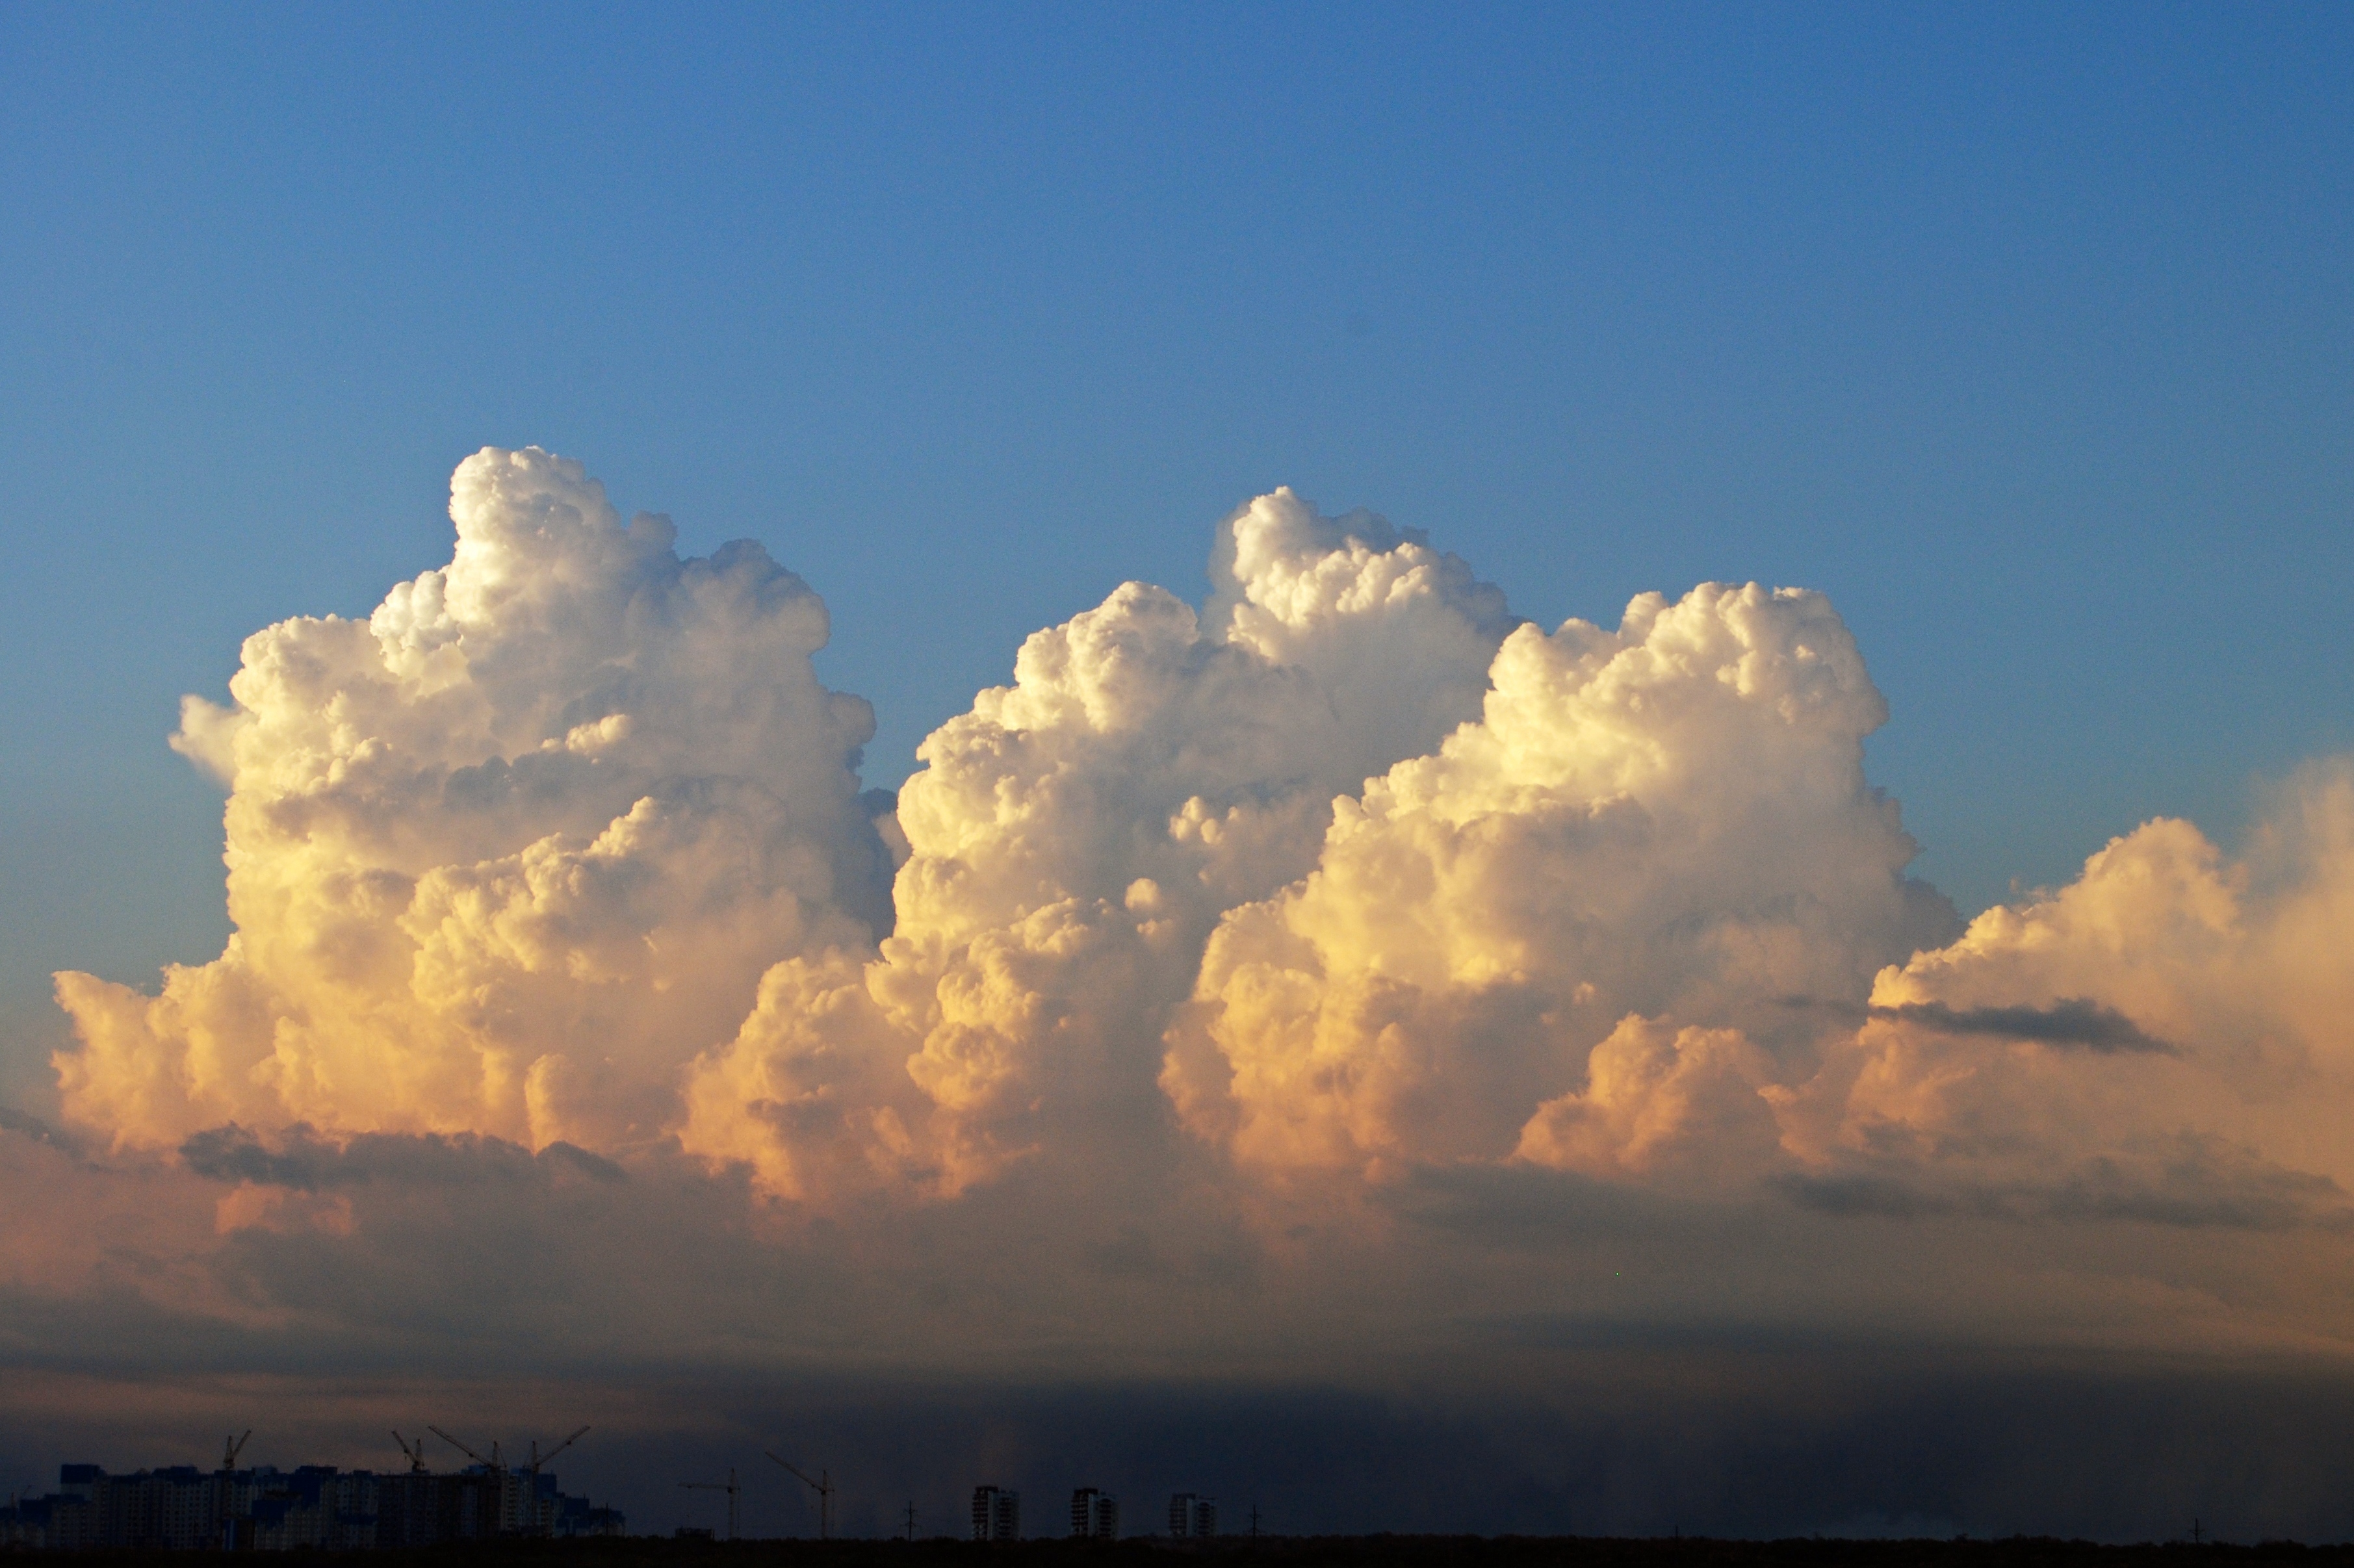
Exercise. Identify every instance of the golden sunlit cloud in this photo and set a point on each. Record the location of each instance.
(1345, 877)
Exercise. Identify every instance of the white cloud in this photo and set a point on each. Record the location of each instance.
(1073, 839)
(2220, 1086)
(1338, 986)
(1205, 920)
(506, 853)
(1669, 821)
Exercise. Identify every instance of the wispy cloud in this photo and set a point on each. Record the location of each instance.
(2069, 1020)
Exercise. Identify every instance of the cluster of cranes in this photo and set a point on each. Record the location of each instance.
(822, 1485)
(531, 1467)
(414, 1452)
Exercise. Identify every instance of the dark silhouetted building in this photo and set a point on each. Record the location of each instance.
(314, 1507)
(996, 1514)
(1095, 1515)
(1193, 1518)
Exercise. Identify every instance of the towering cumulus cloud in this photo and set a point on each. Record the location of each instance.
(506, 853)
(1668, 820)
(1412, 1020)
(1074, 839)
(1345, 878)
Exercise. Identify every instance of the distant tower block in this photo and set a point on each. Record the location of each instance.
(1193, 1518)
(996, 1514)
(1095, 1515)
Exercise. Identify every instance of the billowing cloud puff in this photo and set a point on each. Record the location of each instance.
(1645, 921)
(506, 853)
(1345, 879)
(1669, 821)
(1074, 839)
(2167, 1038)
(1341, 986)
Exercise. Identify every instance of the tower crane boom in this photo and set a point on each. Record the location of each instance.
(538, 1458)
(823, 1486)
(462, 1449)
(728, 1486)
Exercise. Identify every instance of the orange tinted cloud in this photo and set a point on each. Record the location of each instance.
(1341, 930)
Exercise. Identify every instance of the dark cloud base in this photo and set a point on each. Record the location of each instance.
(1632, 1443)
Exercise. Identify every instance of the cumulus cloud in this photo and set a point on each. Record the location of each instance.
(2164, 1036)
(1340, 980)
(1074, 838)
(1346, 877)
(504, 854)
(1668, 823)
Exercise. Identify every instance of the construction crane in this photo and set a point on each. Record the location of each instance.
(538, 1458)
(492, 1462)
(232, 1448)
(539, 1526)
(728, 1486)
(498, 1472)
(824, 1488)
(412, 1452)
(542, 1458)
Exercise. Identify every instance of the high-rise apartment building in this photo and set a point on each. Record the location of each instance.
(996, 1514)
(313, 1508)
(1095, 1515)
(1193, 1518)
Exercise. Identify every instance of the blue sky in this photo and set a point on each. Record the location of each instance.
(2023, 331)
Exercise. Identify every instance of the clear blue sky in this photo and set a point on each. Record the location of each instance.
(2024, 332)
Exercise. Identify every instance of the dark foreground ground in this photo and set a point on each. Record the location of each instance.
(1332, 1551)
